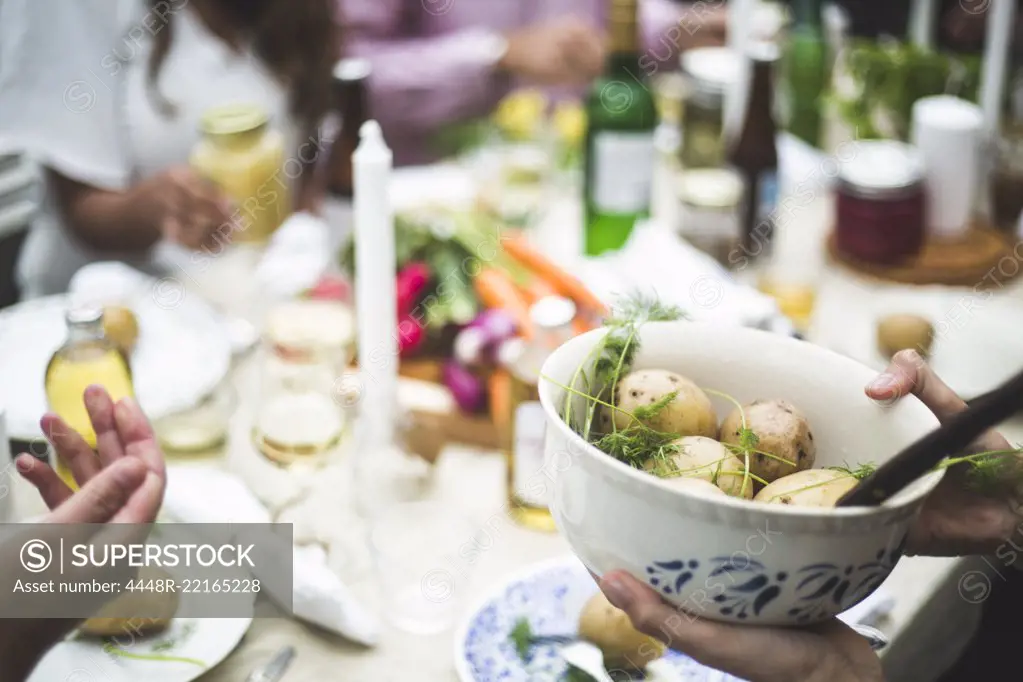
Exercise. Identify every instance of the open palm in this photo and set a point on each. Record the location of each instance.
(122, 481)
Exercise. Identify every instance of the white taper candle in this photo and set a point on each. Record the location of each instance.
(1001, 22)
(922, 16)
(375, 296)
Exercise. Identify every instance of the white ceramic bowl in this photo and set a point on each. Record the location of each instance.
(719, 557)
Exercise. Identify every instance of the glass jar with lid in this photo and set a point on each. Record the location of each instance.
(710, 74)
(880, 203)
(244, 156)
(710, 204)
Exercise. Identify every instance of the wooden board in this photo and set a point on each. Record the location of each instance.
(984, 258)
(435, 429)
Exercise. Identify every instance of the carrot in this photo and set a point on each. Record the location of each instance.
(516, 246)
(496, 290)
(580, 325)
(499, 394)
(538, 288)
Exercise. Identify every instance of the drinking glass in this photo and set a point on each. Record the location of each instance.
(298, 419)
(423, 560)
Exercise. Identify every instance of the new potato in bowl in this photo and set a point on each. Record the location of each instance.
(722, 557)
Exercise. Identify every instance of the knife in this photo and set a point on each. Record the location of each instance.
(274, 670)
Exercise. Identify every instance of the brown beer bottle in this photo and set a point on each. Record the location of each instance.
(350, 98)
(754, 153)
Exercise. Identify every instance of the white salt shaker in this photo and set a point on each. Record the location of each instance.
(948, 131)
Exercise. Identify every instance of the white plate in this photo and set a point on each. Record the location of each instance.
(182, 354)
(551, 595)
(207, 640)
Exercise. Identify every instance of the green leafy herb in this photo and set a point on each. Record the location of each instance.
(888, 77)
(638, 444)
(619, 345)
(748, 440)
(647, 412)
(521, 638)
(121, 653)
(992, 472)
(859, 473)
(576, 675)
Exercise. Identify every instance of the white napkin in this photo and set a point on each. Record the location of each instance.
(202, 495)
(299, 253)
(870, 610)
(656, 262)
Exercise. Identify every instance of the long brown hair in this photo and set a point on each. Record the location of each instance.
(296, 39)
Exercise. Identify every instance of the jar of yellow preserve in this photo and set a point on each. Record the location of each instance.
(244, 156)
(88, 357)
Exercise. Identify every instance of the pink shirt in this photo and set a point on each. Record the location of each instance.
(433, 60)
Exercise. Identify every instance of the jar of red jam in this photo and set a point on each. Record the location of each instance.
(879, 202)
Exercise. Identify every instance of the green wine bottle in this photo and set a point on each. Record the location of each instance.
(806, 72)
(621, 117)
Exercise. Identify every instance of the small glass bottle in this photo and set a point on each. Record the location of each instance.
(523, 439)
(351, 100)
(87, 358)
(244, 156)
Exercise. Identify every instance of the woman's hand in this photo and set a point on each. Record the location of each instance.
(189, 210)
(176, 205)
(559, 52)
(831, 652)
(955, 520)
(123, 481)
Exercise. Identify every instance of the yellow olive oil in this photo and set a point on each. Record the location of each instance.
(87, 358)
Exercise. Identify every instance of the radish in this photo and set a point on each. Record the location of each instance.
(410, 284)
(477, 344)
(410, 335)
(466, 388)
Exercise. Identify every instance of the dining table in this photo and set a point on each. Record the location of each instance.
(931, 620)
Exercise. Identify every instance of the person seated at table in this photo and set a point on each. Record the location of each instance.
(438, 62)
(954, 521)
(108, 96)
(122, 482)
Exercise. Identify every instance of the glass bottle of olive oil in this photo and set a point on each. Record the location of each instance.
(87, 358)
(620, 153)
(523, 441)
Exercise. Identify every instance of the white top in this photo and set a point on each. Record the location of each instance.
(78, 73)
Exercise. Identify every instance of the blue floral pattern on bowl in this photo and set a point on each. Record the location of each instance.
(551, 598)
(819, 590)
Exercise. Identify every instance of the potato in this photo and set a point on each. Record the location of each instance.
(783, 431)
(154, 610)
(896, 332)
(706, 459)
(695, 485)
(610, 630)
(689, 414)
(121, 327)
(811, 488)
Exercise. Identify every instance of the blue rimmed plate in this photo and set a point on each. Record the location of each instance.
(550, 595)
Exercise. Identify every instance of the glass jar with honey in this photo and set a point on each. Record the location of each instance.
(244, 156)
